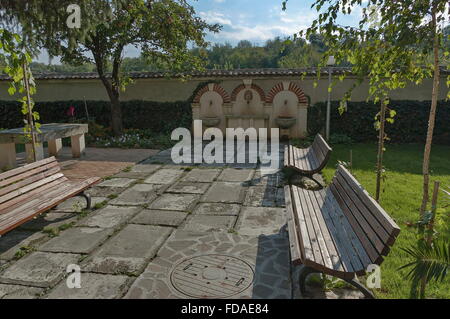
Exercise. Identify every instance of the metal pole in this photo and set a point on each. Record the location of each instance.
(327, 132)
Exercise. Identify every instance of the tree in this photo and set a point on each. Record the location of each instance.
(391, 44)
(163, 31)
(15, 63)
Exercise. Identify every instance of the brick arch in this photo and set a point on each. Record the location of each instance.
(216, 88)
(294, 88)
(241, 87)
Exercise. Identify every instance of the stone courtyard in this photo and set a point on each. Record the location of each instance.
(160, 230)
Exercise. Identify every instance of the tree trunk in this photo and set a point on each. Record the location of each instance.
(380, 149)
(431, 120)
(116, 110)
(112, 87)
(116, 115)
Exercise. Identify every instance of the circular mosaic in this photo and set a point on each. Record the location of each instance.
(212, 276)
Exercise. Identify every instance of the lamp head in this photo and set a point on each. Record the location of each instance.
(331, 61)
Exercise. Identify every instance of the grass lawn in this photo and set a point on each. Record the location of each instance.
(401, 198)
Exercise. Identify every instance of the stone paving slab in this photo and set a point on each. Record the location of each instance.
(49, 220)
(189, 188)
(117, 182)
(81, 240)
(181, 202)
(202, 175)
(264, 255)
(109, 217)
(139, 194)
(128, 251)
(164, 176)
(104, 192)
(217, 209)
(255, 221)
(159, 217)
(264, 196)
(93, 286)
(225, 192)
(38, 269)
(77, 204)
(19, 292)
(11, 242)
(139, 171)
(199, 223)
(236, 175)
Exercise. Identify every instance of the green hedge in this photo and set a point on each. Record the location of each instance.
(357, 122)
(410, 123)
(138, 114)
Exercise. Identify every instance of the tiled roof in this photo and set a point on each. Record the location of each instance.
(311, 71)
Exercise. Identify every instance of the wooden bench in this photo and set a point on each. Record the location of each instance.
(308, 161)
(339, 230)
(35, 188)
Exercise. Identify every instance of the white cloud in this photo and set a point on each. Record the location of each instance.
(215, 17)
(278, 23)
(219, 1)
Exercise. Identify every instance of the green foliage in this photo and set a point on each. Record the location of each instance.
(337, 138)
(15, 62)
(163, 31)
(133, 138)
(24, 250)
(431, 262)
(357, 122)
(156, 117)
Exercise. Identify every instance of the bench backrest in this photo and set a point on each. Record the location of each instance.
(321, 149)
(373, 226)
(18, 184)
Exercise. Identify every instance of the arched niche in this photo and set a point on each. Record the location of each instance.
(286, 98)
(248, 99)
(211, 99)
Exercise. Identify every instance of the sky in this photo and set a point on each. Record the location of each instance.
(253, 20)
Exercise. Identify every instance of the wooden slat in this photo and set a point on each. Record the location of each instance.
(331, 252)
(323, 144)
(295, 241)
(310, 160)
(24, 175)
(311, 157)
(312, 234)
(371, 251)
(320, 156)
(27, 188)
(319, 234)
(303, 161)
(286, 156)
(40, 204)
(25, 168)
(302, 229)
(29, 180)
(346, 240)
(317, 149)
(19, 200)
(360, 219)
(364, 213)
(378, 212)
(292, 155)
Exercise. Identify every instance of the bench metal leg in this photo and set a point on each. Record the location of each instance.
(311, 177)
(366, 292)
(88, 199)
(304, 273)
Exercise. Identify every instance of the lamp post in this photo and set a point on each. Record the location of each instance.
(331, 61)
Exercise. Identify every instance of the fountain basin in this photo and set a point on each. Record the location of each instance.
(285, 122)
(211, 121)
